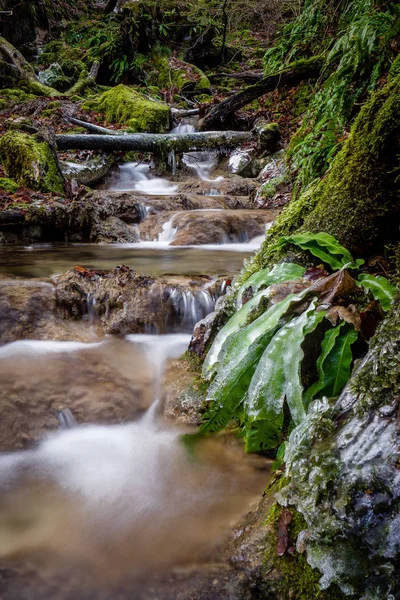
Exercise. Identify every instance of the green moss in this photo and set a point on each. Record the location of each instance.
(51, 108)
(13, 96)
(8, 185)
(268, 190)
(357, 200)
(29, 162)
(128, 107)
(293, 576)
(302, 99)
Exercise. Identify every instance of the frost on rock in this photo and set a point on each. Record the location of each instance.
(344, 477)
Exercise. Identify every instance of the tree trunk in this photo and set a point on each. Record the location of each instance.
(293, 75)
(153, 142)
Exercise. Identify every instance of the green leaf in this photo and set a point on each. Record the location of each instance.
(280, 457)
(323, 246)
(234, 324)
(280, 272)
(381, 289)
(337, 364)
(239, 357)
(278, 377)
(327, 346)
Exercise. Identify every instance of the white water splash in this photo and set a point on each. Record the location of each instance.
(137, 176)
(158, 350)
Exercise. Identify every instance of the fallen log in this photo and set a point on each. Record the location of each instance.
(92, 127)
(291, 76)
(191, 112)
(244, 75)
(161, 144)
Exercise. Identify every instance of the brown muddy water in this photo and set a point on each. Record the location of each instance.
(48, 260)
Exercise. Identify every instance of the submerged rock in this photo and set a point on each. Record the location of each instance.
(124, 301)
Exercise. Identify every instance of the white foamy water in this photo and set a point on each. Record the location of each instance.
(202, 163)
(41, 347)
(121, 499)
(158, 350)
(137, 176)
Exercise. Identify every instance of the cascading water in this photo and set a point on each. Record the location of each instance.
(202, 163)
(122, 497)
(118, 499)
(137, 176)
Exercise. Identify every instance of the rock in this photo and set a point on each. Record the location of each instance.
(30, 162)
(184, 397)
(127, 106)
(28, 311)
(114, 230)
(240, 159)
(268, 134)
(54, 77)
(124, 301)
(187, 228)
(203, 332)
(90, 172)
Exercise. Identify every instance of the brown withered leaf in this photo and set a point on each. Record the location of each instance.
(315, 273)
(279, 291)
(346, 313)
(282, 533)
(339, 284)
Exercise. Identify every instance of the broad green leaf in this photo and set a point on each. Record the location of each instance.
(381, 289)
(232, 326)
(239, 357)
(280, 273)
(277, 378)
(327, 346)
(337, 365)
(323, 246)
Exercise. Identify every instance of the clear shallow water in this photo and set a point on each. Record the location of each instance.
(153, 258)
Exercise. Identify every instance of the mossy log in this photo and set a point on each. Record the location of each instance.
(26, 74)
(160, 144)
(291, 76)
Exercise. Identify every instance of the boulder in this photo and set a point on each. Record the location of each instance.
(30, 162)
(54, 77)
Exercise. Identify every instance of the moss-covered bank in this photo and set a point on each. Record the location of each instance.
(358, 200)
(30, 162)
(126, 106)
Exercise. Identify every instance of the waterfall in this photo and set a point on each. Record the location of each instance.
(137, 176)
(158, 350)
(168, 231)
(186, 307)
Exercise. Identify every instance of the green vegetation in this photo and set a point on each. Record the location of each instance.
(29, 162)
(8, 185)
(357, 51)
(255, 360)
(126, 106)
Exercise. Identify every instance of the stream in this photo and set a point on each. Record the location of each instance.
(97, 485)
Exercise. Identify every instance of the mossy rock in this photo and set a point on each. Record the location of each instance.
(8, 185)
(29, 162)
(54, 77)
(186, 78)
(126, 106)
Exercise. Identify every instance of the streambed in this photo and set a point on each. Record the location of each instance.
(116, 504)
